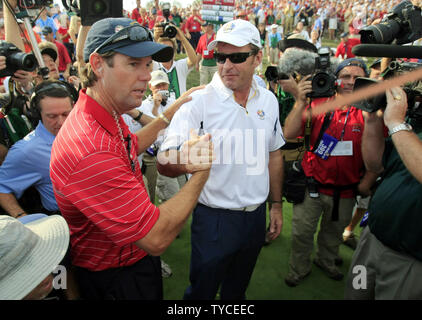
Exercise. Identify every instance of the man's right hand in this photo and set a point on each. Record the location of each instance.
(2, 62)
(298, 90)
(197, 154)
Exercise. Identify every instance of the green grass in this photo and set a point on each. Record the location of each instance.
(267, 281)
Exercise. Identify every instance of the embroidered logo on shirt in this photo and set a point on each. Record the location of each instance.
(261, 114)
(356, 127)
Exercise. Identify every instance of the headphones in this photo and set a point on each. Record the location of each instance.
(49, 88)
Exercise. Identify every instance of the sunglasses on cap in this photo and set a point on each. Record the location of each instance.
(237, 57)
(133, 32)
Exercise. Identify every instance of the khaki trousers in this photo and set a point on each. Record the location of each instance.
(304, 225)
(378, 272)
(151, 174)
(206, 74)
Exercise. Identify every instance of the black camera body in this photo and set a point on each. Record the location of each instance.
(169, 30)
(16, 59)
(403, 23)
(33, 4)
(413, 89)
(323, 79)
(73, 71)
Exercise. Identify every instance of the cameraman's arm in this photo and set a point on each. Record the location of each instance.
(10, 204)
(293, 126)
(406, 143)
(12, 31)
(190, 51)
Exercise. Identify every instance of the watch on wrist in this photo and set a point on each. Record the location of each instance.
(400, 127)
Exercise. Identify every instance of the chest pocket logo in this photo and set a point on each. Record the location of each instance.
(261, 114)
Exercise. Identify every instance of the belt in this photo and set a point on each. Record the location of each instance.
(248, 208)
(244, 209)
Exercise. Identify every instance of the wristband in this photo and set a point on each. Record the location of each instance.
(164, 118)
(138, 117)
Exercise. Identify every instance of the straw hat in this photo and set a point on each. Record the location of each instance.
(29, 252)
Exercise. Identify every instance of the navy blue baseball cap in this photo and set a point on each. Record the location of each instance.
(125, 36)
(352, 62)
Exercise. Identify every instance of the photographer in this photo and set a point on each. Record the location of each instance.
(333, 177)
(390, 246)
(177, 71)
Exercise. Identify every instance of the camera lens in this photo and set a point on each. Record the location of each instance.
(23, 61)
(169, 31)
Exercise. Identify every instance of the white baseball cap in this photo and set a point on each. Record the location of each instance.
(274, 26)
(158, 77)
(238, 33)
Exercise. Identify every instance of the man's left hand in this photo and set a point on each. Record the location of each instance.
(395, 112)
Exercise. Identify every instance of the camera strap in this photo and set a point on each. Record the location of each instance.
(308, 129)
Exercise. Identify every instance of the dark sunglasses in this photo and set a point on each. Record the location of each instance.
(133, 32)
(235, 58)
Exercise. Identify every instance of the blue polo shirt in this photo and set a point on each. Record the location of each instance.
(28, 164)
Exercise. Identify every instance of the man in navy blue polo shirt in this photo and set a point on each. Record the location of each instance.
(28, 161)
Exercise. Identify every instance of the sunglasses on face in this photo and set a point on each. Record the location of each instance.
(134, 33)
(235, 58)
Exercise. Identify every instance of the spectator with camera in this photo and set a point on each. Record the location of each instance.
(334, 172)
(176, 70)
(390, 245)
(194, 25)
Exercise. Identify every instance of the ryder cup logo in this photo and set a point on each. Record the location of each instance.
(228, 27)
(261, 114)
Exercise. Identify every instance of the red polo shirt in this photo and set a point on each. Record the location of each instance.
(192, 25)
(203, 45)
(337, 170)
(104, 203)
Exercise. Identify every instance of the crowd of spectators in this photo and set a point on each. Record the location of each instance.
(31, 120)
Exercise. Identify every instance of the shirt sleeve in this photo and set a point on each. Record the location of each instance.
(105, 190)
(186, 118)
(16, 174)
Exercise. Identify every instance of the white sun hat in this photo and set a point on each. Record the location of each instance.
(29, 252)
(238, 33)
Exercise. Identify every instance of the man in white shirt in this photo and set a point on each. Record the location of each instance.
(228, 226)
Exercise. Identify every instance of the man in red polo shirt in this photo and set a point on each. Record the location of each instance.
(205, 57)
(116, 232)
(333, 176)
(193, 25)
(344, 49)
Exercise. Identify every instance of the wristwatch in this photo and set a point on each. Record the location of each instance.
(400, 127)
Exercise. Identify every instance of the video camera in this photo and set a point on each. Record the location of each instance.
(16, 59)
(323, 78)
(413, 89)
(402, 24)
(33, 4)
(169, 30)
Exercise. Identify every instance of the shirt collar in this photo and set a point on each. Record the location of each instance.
(226, 93)
(89, 105)
(44, 134)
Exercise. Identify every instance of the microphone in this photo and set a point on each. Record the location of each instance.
(387, 51)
